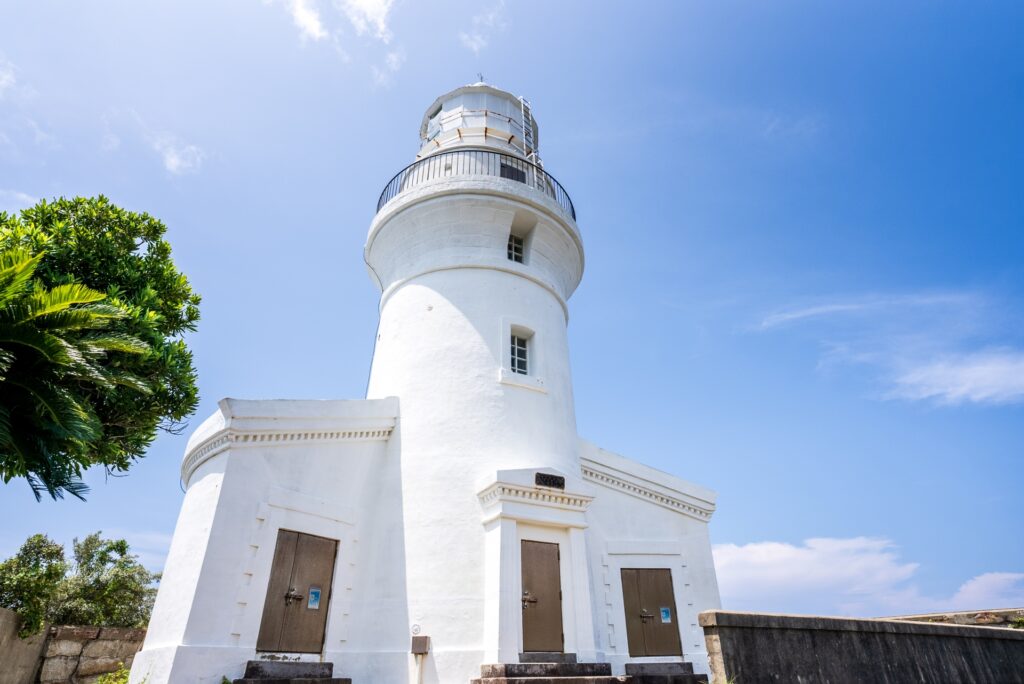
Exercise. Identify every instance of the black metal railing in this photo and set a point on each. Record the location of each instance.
(476, 163)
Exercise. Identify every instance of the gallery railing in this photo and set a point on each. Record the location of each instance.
(476, 163)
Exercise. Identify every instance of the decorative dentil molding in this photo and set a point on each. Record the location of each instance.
(592, 472)
(514, 493)
(232, 438)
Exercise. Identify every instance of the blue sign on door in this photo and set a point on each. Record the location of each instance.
(314, 598)
(666, 615)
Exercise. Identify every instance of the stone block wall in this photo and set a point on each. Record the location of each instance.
(752, 648)
(79, 655)
(64, 655)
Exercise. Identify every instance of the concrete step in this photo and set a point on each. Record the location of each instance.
(667, 679)
(293, 680)
(287, 669)
(546, 670)
(683, 668)
(550, 680)
(546, 657)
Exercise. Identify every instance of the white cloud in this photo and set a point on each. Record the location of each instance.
(14, 200)
(179, 158)
(865, 304)
(944, 347)
(369, 16)
(859, 576)
(307, 18)
(7, 77)
(995, 377)
(991, 590)
(392, 63)
(483, 25)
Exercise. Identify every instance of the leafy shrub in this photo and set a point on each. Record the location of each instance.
(105, 585)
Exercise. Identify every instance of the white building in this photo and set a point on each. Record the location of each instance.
(457, 500)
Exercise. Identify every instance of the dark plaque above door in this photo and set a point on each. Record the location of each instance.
(549, 480)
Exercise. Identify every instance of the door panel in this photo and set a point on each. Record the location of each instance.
(298, 594)
(634, 623)
(273, 608)
(661, 630)
(542, 597)
(652, 626)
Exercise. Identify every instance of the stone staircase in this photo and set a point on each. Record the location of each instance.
(284, 672)
(562, 668)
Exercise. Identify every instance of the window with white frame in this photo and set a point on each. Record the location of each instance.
(520, 354)
(516, 248)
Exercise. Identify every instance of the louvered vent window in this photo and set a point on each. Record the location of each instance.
(519, 355)
(513, 173)
(515, 248)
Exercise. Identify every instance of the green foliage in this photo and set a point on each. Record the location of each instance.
(106, 585)
(29, 578)
(1017, 623)
(118, 676)
(56, 345)
(95, 246)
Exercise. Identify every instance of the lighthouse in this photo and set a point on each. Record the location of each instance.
(452, 525)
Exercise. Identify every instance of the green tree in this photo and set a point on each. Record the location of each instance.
(123, 254)
(29, 579)
(57, 350)
(107, 586)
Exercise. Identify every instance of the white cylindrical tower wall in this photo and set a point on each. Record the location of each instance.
(451, 299)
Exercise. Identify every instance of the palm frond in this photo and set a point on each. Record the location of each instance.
(51, 347)
(61, 297)
(17, 267)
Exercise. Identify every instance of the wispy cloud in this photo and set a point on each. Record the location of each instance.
(860, 576)
(368, 16)
(863, 304)
(991, 376)
(8, 79)
(15, 200)
(482, 26)
(945, 347)
(179, 158)
(307, 18)
(393, 61)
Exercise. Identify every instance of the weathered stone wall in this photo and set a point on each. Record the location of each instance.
(79, 655)
(19, 658)
(65, 655)
(753, 648)
(1006, 617)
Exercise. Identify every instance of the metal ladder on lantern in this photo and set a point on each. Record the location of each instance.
(529, 143)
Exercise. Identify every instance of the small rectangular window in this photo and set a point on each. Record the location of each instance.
(513, 173)
(519, 355)
(515, 248)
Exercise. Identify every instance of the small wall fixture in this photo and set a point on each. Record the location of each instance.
(420, 645)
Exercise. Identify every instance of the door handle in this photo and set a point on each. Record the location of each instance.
(292, 595)
(645, 616)
(527, 599)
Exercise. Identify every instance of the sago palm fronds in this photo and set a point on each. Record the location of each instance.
(53, 345)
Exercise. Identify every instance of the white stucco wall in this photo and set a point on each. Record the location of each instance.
(324, 468)
(644, 518)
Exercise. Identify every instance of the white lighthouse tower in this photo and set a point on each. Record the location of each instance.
(457, 503)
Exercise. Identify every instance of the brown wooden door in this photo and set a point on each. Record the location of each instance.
(652, 626)
(295, 611)
(542, 597)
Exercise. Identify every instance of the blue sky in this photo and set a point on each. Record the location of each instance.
(803, 223)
